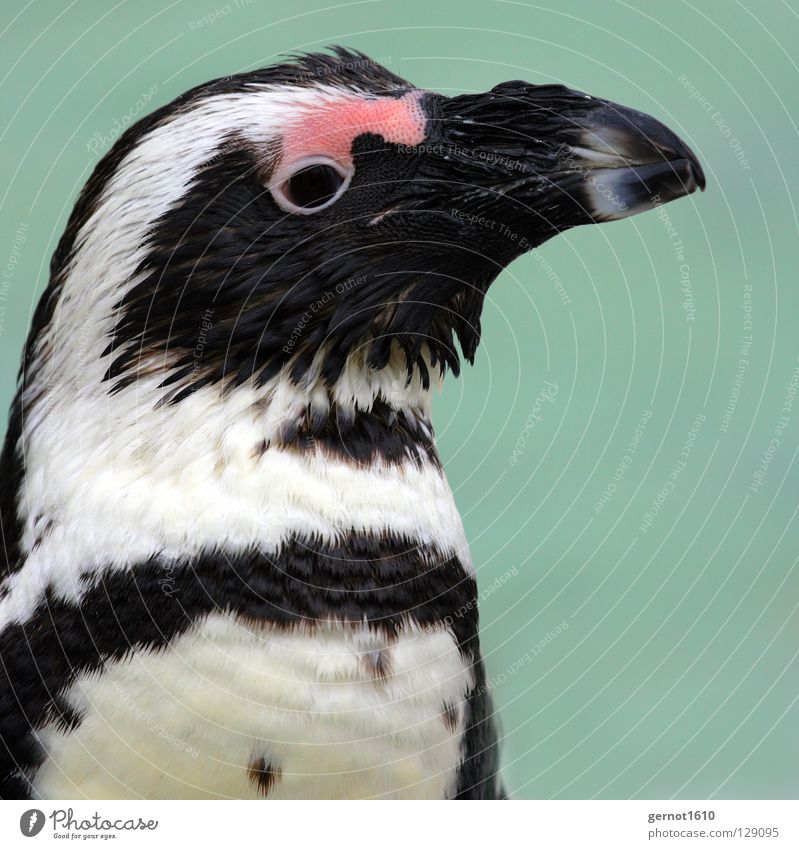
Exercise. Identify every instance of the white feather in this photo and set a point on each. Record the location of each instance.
(187, 722)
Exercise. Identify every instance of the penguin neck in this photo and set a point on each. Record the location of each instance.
(249, 456)
(112, 482)
(366, 415)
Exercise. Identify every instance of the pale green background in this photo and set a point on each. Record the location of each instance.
(677, 675)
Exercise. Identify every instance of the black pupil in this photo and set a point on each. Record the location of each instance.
(313, 186)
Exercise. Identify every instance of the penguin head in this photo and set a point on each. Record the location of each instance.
(286, 220)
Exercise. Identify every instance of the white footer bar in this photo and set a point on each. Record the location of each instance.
(408, 825)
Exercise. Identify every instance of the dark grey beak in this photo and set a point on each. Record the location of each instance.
(624, 162)
(542, 159)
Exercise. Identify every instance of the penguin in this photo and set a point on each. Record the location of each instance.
(233, 566)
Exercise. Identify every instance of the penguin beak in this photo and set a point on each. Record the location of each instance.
(625, 162)
(560, 158)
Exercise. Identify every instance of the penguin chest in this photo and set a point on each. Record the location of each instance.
(235, 710)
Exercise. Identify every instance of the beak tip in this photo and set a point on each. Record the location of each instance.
(699, 174)
(638, 159)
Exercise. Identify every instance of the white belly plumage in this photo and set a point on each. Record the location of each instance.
(235, 710)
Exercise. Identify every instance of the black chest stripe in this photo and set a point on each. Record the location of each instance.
(384, 582)
(381, 433)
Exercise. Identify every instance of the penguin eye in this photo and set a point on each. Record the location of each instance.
(310, 185)
(313, 186)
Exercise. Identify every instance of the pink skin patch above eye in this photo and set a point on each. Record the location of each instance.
(331, 129)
